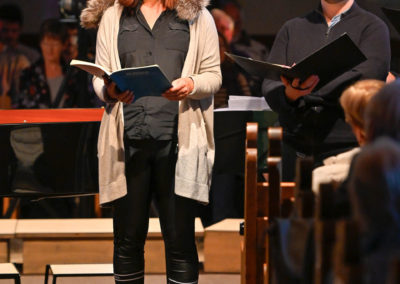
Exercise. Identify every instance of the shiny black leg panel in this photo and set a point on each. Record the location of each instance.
(150, 171)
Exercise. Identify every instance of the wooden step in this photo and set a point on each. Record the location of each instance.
(7, 232)
(78, 270)
(69, 241)
(222, 247)
(8, 271)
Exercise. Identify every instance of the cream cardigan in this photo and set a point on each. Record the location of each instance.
(195, 120)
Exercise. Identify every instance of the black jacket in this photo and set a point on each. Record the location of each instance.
(317, 119)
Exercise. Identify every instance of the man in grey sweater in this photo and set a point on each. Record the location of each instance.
(309, 112)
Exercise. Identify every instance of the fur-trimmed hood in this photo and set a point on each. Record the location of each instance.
(91, 15)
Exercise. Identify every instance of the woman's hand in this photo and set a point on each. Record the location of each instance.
(295, 89)
(114, 93)
(180, 89)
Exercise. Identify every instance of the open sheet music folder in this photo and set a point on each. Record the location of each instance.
(328, 62)
(143, 81)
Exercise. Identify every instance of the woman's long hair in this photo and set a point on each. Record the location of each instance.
(169, 4)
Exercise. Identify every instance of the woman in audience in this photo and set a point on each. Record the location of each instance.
(45, 84)
(382, 119)
(374, 191)
(382, 116)
(354, 101)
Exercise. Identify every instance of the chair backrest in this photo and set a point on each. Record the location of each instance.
(324, 233)
(262, 201)
(347, 266)
(304, 196)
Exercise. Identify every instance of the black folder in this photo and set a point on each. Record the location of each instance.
(394, 16)
(328, 62)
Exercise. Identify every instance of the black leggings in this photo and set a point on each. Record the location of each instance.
(150, 170)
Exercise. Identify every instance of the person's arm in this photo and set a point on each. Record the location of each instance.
(284, 96)
(375, 44)
(209, 79)
(105, 89)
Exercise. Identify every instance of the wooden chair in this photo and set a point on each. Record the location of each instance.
(324, 232)
(303, 208)
(263, 200)
(347, 267)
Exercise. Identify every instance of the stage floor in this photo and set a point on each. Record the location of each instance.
(205, 278)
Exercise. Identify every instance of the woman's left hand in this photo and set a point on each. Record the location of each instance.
(180, 89)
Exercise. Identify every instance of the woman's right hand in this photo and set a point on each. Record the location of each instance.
(114, 93)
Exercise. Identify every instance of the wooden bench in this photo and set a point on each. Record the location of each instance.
(69, 241)
(324, 232)
(7, 233)
(8, 271)
(76, 270)
(263, 200)
(222, 247)
(65, 241)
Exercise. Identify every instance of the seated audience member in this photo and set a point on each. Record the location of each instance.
(354, 101)
(11, 67)
(242, 43)
(71, 45)
(12, 61)
(374, 191)
(381, 119)
(234, 83)
(12, 18)
(382, 115)
(45, 84)
(224, 24)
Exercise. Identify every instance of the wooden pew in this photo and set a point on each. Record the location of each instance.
(324, 232)
(262, 201)
(347, 267)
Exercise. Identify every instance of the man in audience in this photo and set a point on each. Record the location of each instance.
(310, 114)
(12, 18)
(14, 57)
(224, 24)
(354, 101)
(242, 43)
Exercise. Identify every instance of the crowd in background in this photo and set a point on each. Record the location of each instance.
(41, 78)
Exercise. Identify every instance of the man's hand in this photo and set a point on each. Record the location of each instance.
(114, 93)
(295, 89)
(180, 89)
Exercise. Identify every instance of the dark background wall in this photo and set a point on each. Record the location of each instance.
(267, 16)
(263, 17)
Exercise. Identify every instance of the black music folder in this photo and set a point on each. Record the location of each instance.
(328, 62)
(394, 17)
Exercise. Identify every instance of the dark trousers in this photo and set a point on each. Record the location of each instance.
(150, 170)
